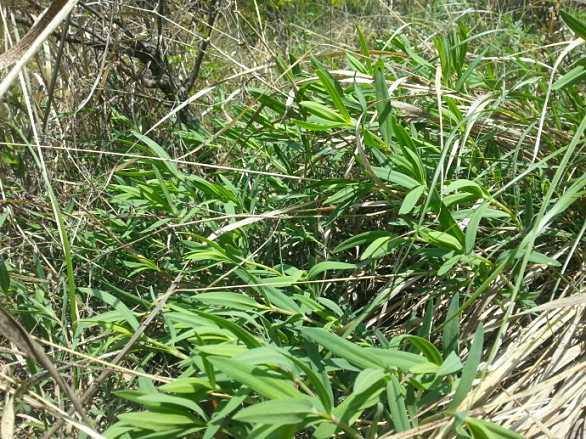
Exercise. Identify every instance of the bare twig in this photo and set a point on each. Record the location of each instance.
(203, 46)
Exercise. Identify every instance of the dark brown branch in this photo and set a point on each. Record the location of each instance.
(203, 46)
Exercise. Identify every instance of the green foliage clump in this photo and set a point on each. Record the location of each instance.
(318, 259)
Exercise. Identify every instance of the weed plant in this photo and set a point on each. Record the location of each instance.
(377, 240)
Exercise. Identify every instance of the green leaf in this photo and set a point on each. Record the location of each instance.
(155, 420)
(448, 224)
(161, 398)
(228, 300)
(409, 152)
(351, 408)
(222, 349)
(268, 383)
(396, 402)
(393, 359)
(230, 406)
(576, 74)
(472, 228)
(328, 265)
(278, 412)
(357, 64)
(383, 105)
(451, 364)
(323, 112)
(570, 196)
(315, 123)
(380, 247)
(361, 238)
(186, 385)
(332, 87)
(440, 239)
(363, 357)
(347, 192)
(489, 430)
(367, 378)
(573, 23)
(540, 258)
(470, 369)
(424, 346)
(466, 186)
(243, 335)
(322, 386)
(449, 264)
(266, 355)
(396, 177)
(341, 347)
(273, 295)
(411, 199)
(4, 277)
(163, 185)
(160, 152)
(363, 44)
(114, 302)
(452, 326)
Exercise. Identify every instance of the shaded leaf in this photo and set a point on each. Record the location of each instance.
(279, 412)
(263, 381)
(328, 265)
(470, 369)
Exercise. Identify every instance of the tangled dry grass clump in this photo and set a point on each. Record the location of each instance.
(292, 219)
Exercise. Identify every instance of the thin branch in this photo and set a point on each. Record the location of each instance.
(203, 46)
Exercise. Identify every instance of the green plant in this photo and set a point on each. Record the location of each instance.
(348, 250)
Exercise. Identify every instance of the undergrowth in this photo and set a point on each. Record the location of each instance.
(374, 241)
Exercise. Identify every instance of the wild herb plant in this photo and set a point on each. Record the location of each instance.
(367, 246)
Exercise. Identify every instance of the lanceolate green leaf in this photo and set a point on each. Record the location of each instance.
(380, 247)
(230, 406)
(188, 385)
(424, 346)
(361, 356)
(161, 398)
(260, 379)
(229, 300)
(570, 196)
(323, 112)
(452, 326)
(321, 386)
(278, 412)
(472, 229)
(329, 266)
(411, 199)
(160, 152)
(332, 87)
(440, 239)
(349, 410)
(114, 302)
(578, 26)
(155, 420)
(451, 365)
(4, 277)
(575, 75)
(396, 177)
(489, 430)
(470, 369)
(393, 359)
(383, 105)
(361, 238)
(341, 347)
(396, 402)
(243, 335)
